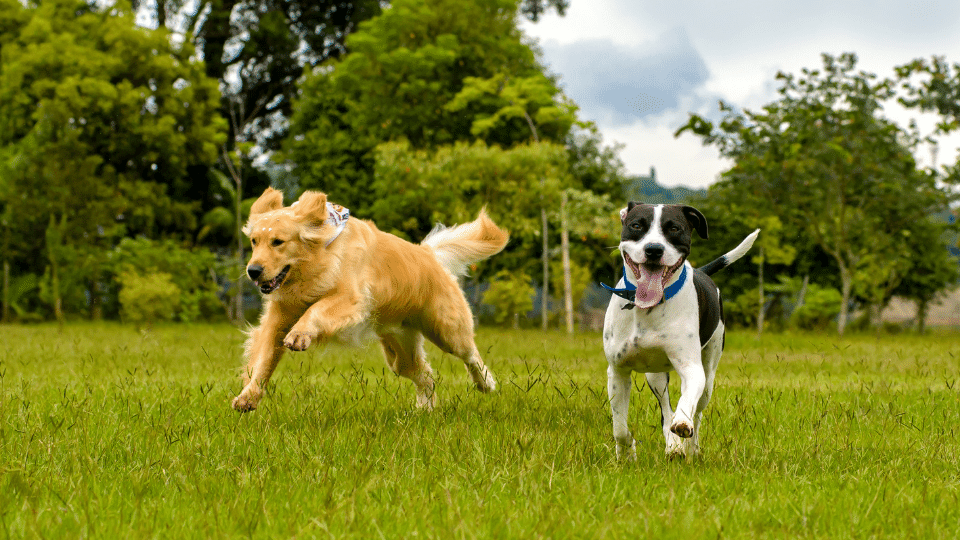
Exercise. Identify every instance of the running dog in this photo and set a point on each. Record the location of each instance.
(665, 315)
(324, 274)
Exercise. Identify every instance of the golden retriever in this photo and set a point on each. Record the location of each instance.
(323, 274)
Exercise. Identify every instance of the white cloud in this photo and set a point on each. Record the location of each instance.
(610, 53)
(619, 84)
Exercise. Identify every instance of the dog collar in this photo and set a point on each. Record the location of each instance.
(669, 292)
(336, 216)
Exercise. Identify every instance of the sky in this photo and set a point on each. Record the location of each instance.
(637, 68)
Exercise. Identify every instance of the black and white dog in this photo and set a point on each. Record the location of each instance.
(665, 315)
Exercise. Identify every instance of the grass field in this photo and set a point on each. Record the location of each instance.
(108, 433)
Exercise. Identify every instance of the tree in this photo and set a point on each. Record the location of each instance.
(826, 161)
(103, 121)
(534, 100)
(403, 70)
(415, 189)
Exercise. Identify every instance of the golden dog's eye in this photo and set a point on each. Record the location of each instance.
(276, 242)
(253, 242)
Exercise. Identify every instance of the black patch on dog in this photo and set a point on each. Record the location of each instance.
(709, 303)
(637, 222)
(677, 223)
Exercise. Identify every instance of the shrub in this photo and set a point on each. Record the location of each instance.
(191, 271)
(510, 294)
(820, 308)
(147, 299)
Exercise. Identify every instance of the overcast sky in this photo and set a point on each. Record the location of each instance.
(638, 67)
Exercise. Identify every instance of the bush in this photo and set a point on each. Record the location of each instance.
(190, 271)
(741, 312)
(510, 294)
(821, 306)
(147, 299)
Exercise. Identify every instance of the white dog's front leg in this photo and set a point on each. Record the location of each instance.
(692, 382)
(659, 384)
(618, 391)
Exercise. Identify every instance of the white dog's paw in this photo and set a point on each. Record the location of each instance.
(298, 340)
(627, 452)
(675, 446)
(683, 427)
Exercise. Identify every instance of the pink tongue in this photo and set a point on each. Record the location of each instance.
(649, 287)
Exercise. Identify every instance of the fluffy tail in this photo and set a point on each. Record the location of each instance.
(460, 246)
(731, 257)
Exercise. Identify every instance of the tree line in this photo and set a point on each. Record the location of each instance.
(135, 137)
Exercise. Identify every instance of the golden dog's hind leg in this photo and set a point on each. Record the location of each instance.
(451, 329)
(403, 349)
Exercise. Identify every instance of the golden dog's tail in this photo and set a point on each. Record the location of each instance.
(460, 246)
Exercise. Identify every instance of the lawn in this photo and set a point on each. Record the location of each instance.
(106, 432)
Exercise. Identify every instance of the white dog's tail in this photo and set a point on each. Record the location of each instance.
(731, 257)
(460, 246)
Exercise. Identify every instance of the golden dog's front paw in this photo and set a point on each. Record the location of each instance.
(297, 340)
(246, 401)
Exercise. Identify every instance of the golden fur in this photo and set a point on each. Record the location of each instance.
(365, 276)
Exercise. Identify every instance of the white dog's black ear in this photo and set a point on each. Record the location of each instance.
(696, 220)
(312, 207)
(271, 199)
(625, 211)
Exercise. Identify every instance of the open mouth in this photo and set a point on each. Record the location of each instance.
(272, 285)
(651, 280)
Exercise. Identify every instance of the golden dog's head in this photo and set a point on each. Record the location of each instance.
(282, 236)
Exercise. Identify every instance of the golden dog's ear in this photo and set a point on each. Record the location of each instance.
(311, 207)
(270, 200)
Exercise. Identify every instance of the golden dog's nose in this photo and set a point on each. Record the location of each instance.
(254, 271)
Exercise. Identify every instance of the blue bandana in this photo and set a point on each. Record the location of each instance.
(629, 288)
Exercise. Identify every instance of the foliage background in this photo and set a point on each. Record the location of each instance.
(412, 113)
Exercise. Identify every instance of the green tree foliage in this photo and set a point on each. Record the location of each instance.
(827, 162)
(147, 299)
(258, 50)
(103, 122)
(511, 295)
(821, 306)
(403, 69)
(580, 279)
(933, 85)
(191, 272)
(416, 188)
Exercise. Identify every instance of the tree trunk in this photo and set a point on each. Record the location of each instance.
(922, 308)
(875, 312)
(546, 272)
(6, 292)
(96, 298)
(55, 290)
(802, 295)
(846, 288)
(565, 254)
(762, 296)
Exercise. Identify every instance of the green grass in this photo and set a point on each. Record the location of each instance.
(108, 433)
